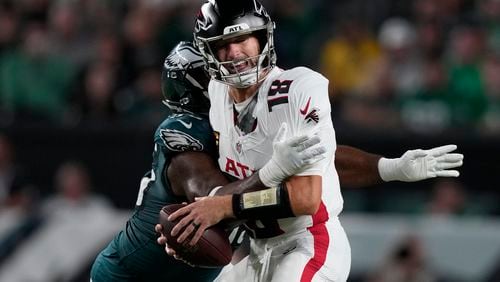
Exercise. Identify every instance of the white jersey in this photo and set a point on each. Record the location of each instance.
(298, 97)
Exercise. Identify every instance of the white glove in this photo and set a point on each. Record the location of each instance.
(415, 165)
(290, 156)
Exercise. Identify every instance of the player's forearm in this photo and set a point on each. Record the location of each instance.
(304, 193)
(249, 184)
(300, 195)
(299, 198)
(356, 168)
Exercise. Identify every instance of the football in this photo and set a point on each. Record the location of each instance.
(212, 250)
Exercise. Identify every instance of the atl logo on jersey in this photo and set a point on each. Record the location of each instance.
(237, 169)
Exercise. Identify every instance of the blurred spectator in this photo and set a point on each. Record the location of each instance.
(76, 224)
(175, 23)
(9, 23)
(347, 57)
(99, 15)
(296, 20)
(74, 191)
(448, 198)
(141, 102)
(428, 110)
(399, 70)
(109, 51)
(407, 263)
(446, 13)
(140, 29)
(369, 113)
(427, 11)
(490, 15)
(491, 74)
(15, 187)
(95, 98)
(18, 201)
(430, 40)
(396, 73)
(34, 84)
(67, 38)
(466, 85)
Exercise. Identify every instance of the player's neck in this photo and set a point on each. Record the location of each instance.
(241, 94)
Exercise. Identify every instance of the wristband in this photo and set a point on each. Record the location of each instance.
(273, 202)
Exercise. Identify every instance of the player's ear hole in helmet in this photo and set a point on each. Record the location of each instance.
(219, 21)
(184, 80)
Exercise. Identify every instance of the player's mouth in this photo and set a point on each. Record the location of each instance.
(240, 66)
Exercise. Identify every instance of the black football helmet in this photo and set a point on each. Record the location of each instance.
(220, 20)
(184, 80)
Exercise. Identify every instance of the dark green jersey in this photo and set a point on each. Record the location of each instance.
(136, 246)
(178, 133)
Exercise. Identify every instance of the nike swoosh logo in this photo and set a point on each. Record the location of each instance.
(306, 108)
(186, 125)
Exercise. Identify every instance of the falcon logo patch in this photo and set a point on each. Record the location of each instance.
(312, 116)
(179, 141)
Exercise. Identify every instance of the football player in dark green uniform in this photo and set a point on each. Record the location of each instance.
(134, 255)
(183, 167)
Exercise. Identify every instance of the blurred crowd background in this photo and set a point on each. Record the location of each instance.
(80, 98)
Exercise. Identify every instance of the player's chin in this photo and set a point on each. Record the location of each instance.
(241, 67)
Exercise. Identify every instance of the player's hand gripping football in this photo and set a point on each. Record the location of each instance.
(290, 156)
(198, 216)
(162, 240)
(416, 165)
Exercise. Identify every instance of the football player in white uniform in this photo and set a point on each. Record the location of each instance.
(294, 227)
